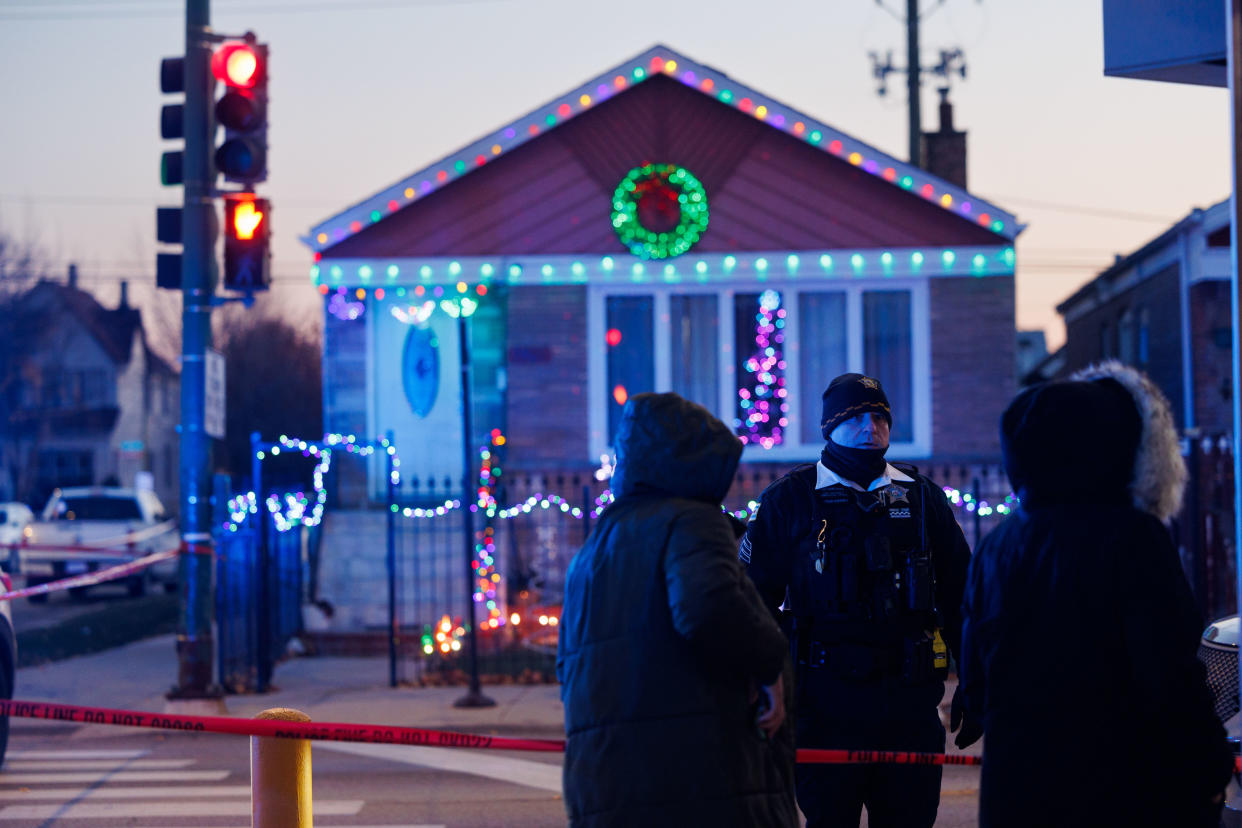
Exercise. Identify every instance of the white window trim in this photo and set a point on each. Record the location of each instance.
(792, 449)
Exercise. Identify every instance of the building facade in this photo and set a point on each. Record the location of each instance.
(1164, 309)
(87, 402)
(663, 227)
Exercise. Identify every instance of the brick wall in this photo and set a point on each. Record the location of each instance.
(547, 382)
(1210, 344)
(973, 365)
(1095, 335)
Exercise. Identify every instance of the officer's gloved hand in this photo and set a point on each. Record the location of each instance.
(960, 717)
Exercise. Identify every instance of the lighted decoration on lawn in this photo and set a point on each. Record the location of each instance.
(762, 403)
(659, 211)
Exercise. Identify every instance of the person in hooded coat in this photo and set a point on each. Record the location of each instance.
(665, 648)
(1080, 632)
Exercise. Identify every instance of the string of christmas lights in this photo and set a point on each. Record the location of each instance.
(762, 400)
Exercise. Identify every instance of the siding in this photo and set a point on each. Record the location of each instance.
(767, 190)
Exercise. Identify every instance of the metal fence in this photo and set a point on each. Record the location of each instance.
(546, 519)
(260, 588)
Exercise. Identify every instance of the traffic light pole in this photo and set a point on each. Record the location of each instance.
(195, 645)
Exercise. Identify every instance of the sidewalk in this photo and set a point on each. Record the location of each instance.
(328, 689)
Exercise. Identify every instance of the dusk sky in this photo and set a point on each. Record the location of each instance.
(365, 92)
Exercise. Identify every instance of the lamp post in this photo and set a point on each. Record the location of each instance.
(461, 308)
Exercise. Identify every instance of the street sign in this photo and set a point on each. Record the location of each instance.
(213, 397)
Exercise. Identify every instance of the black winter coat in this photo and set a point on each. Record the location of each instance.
(1080, 637)
(662, 638)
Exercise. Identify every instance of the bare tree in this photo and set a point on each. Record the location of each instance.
(273, 385)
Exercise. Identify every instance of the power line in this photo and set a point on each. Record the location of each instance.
(91, 11)
(1099, 212)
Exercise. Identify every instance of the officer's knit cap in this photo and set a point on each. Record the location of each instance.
(850, 395)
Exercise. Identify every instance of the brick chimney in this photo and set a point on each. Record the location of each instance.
(944, 152)
(73, 276)
(124, 295)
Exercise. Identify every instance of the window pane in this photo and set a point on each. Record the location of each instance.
(631, 355)
(822, 354)
(887, 354)
(758, 343)
(694, 323)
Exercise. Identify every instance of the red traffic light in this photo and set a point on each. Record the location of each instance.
(247, 229)
(238, 65)
(247, 219)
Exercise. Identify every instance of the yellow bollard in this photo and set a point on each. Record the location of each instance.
(280, 776)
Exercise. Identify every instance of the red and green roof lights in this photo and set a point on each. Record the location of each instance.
(706, 81)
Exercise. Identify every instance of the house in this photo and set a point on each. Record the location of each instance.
(665, 227)
(86, 399)
(1165, 309)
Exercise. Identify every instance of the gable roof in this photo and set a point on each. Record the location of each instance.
(716, 85)
(113, 328)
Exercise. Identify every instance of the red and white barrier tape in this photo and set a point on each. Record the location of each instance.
(384, 734)
(388, 735)
(92, 578)
(331, 731)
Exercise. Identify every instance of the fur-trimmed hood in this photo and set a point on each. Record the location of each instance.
(1159, 479)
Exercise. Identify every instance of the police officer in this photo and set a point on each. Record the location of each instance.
(869, 565)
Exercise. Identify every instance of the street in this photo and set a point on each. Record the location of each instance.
(82, 776)
(61, 774)
(92, 776)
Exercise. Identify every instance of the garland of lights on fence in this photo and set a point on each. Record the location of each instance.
(243, 505)
(292, 509)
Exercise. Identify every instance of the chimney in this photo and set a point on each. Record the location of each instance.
(124, 295)
(73, 276)
(944, 152)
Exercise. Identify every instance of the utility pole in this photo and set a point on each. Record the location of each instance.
(195, 646)
(951, 62)
(913, 70)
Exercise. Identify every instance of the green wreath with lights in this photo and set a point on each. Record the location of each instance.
(659, 211)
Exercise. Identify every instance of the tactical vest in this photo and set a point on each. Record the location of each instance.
(863, 591)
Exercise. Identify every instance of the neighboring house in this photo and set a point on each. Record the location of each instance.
(821, 254)
(86, 402)
(1165, 309)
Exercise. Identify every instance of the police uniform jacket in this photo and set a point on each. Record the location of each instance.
(789, 516)
(663, 639)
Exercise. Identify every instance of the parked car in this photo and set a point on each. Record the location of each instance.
(15, 527)
(123, 523)
(1218, 650)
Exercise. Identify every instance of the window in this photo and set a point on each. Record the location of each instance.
(888, 352)
(694, 347)
(760, 356)
(822, 333)
(631, 354)
(1144, 336)
(1127, 339)
(66, 468)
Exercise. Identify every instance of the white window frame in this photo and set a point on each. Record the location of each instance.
(919, 447)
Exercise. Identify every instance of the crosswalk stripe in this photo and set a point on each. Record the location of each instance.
(95, 764)
(104, 777)
(541, 775)
(76, 754)
(116, 810)
(123, 792)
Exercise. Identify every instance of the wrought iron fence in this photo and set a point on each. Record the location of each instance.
(260, 588)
